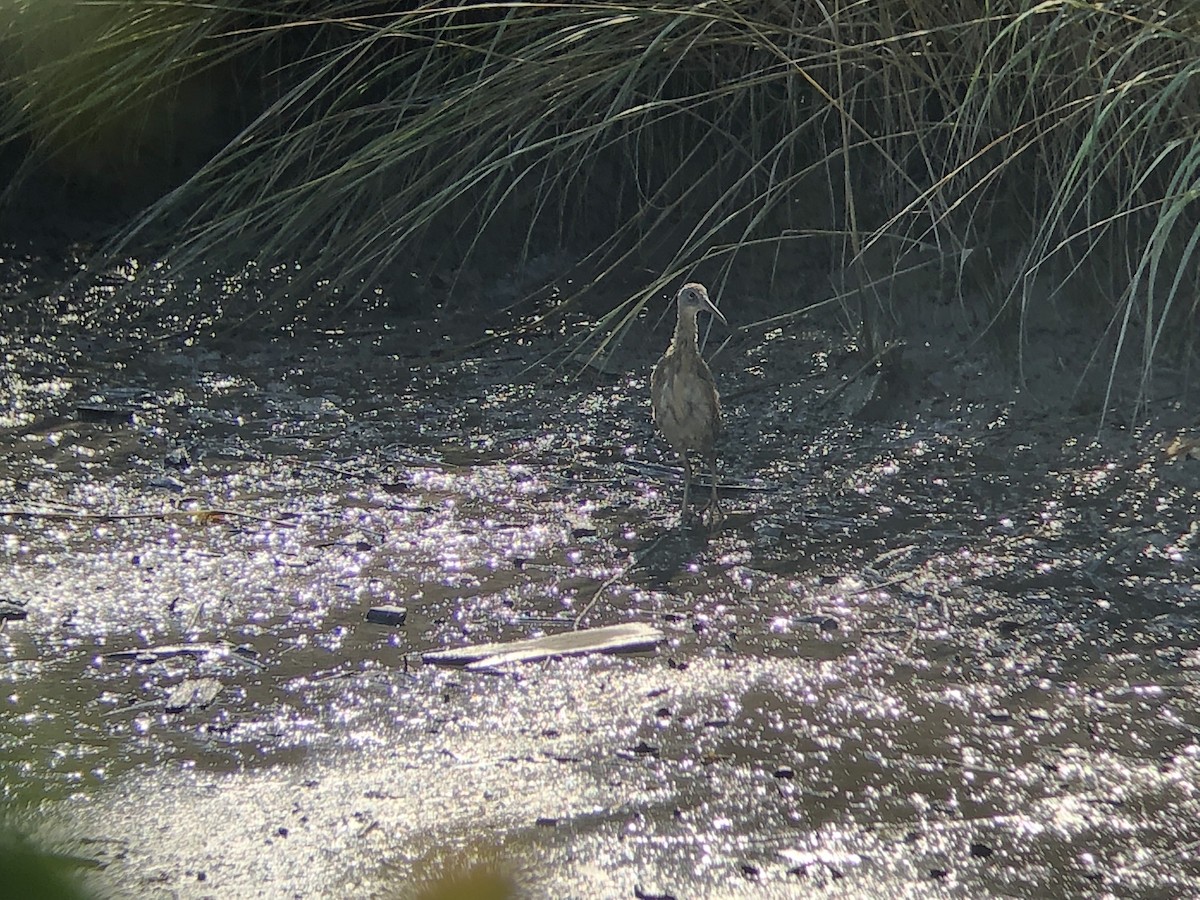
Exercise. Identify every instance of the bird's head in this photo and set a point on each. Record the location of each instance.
(693, 297)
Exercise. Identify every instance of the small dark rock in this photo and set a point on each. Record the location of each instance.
(750, 871)
(583, 531)
(823, 622)
(981, 851)
(652, 893)
(387, 615)
(546, 821)
(785, 772)
(939, 874)
(101, 413)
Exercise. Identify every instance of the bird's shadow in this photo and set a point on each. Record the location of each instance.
(665, 556)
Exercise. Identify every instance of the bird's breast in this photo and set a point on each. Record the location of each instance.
(685, 402)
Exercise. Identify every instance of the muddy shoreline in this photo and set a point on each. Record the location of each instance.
(946, 641)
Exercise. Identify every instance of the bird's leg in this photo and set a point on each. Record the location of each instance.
(687, 484)
(713, 508)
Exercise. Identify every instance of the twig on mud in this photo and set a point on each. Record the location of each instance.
(891, 582)
(204, 516)
(841, 388)
(371, 826)
(1122, 543)
(335, 470)
(888, 556)
(634, 560)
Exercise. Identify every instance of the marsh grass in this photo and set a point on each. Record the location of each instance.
(1029, 153)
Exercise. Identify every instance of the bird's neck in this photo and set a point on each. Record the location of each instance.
(685, 330)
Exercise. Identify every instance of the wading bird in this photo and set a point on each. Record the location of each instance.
(687, 409)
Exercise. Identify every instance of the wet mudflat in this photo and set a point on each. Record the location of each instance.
(944, 641)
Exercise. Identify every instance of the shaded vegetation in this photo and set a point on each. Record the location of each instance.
(33, 874)
(1024, 151)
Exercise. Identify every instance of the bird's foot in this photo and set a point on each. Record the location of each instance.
(712, 514)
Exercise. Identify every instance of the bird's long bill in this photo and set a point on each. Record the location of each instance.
(712, 308)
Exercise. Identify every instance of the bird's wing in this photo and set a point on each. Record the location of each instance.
(659, 384)
(705, 375)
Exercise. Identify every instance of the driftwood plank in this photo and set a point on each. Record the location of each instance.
(626, 638)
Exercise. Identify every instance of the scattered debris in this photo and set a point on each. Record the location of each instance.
(193, 693)
(654, 892)
(9, 610)
(627, 638)
(825, 623)
(214, 649)
(103, 413)
(178, 458)
(642, 749)
(836, 861)
(1182, 447)
(980, 850)
(387, 615)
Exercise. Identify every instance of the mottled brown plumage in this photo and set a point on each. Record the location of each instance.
(687, 408)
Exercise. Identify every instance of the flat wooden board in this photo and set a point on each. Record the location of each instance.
(627, 638)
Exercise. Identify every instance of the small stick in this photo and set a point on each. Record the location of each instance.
(634, 560)
(841, 388)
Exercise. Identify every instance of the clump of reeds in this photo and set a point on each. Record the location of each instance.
(1036, 147)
